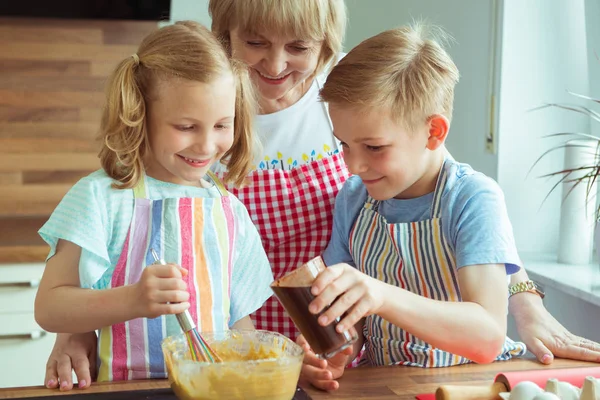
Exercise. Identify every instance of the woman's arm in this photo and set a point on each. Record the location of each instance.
(544, 336)
(72, 352)
(61, 305)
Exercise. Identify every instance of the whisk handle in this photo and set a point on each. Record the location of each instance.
(185, 321)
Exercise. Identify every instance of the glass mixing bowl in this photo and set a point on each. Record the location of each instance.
(256, 365)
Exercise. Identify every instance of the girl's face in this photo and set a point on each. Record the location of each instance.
(190, 126)
(278, 65)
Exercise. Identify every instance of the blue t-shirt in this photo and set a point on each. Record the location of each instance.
(474, 218)
(96, 217)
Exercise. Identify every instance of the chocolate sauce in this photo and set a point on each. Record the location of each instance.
(322, 339)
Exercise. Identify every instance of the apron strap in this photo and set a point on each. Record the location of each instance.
(218, 183)
(140, 191)
(371, 203)
(439, 190)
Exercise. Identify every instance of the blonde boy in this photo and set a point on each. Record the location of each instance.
(421, 243)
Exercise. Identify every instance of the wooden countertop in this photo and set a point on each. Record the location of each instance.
(359, 383)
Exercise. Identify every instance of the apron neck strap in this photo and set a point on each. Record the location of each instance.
(439, 190)
(140, 190)
(373, 204)
(218, 183)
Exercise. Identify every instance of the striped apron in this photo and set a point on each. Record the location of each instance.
(198, 235)
(417, 257)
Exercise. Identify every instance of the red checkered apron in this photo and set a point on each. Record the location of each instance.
(293, 212)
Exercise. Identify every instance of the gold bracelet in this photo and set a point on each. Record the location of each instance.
(526, 286)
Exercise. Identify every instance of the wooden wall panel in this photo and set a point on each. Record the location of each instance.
(52, 77)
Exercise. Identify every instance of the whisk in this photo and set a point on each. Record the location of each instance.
(199, 348)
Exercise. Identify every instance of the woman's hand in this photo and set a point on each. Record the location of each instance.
(161, 290)
(544, 336)
(359, 296)
(322, 374)
(77, 352)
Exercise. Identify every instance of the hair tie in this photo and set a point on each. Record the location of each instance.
(136, 58)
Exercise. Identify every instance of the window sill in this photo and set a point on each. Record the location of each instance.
(580, 281)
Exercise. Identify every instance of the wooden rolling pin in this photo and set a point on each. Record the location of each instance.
(452, 392)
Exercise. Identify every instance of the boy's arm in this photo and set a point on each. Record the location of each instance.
(61, 305)
(474, 328)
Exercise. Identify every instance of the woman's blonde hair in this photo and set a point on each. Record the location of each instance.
(319, 20)
(403, 70)
(185, 50)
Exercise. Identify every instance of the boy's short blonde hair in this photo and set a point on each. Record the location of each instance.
(185, 50)
(403, 70)
(319, 20)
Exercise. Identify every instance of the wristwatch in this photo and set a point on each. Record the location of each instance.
(527, 286)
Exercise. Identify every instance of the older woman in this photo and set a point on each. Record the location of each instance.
(289, 45)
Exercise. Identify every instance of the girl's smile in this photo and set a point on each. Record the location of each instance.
(195, 162)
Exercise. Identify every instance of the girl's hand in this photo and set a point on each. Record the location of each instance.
(161, 290)
(322, 374)
(359, 296)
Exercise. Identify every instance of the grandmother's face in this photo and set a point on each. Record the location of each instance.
(278, 64)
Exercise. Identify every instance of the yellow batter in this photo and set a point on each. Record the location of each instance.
(241, 376)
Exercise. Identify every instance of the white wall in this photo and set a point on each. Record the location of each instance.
(592, 13)
(470, 23)
(196, 10)
(544, 54)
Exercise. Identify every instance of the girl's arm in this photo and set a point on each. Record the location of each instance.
(474, 328)
(61, 305)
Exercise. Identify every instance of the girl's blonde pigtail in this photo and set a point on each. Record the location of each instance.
(122, 128)
(240, 156)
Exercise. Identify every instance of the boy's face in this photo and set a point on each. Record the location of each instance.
(392, 161)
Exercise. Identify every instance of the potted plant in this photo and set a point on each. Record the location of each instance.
(578, 179)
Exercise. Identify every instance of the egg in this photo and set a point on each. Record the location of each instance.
(546, 396)
(525, 391)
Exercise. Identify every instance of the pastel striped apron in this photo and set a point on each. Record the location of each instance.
(417, 257)
(195, 233)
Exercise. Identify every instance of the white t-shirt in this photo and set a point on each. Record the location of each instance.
(296, 135)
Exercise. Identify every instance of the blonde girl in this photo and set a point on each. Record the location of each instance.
(173, 109)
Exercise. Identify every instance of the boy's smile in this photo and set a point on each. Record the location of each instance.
(391, 160)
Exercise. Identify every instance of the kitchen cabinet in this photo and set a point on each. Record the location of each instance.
(24, 346)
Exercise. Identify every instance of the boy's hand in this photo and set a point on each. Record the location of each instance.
(322, 374)
(359, 296)
(161, 291)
